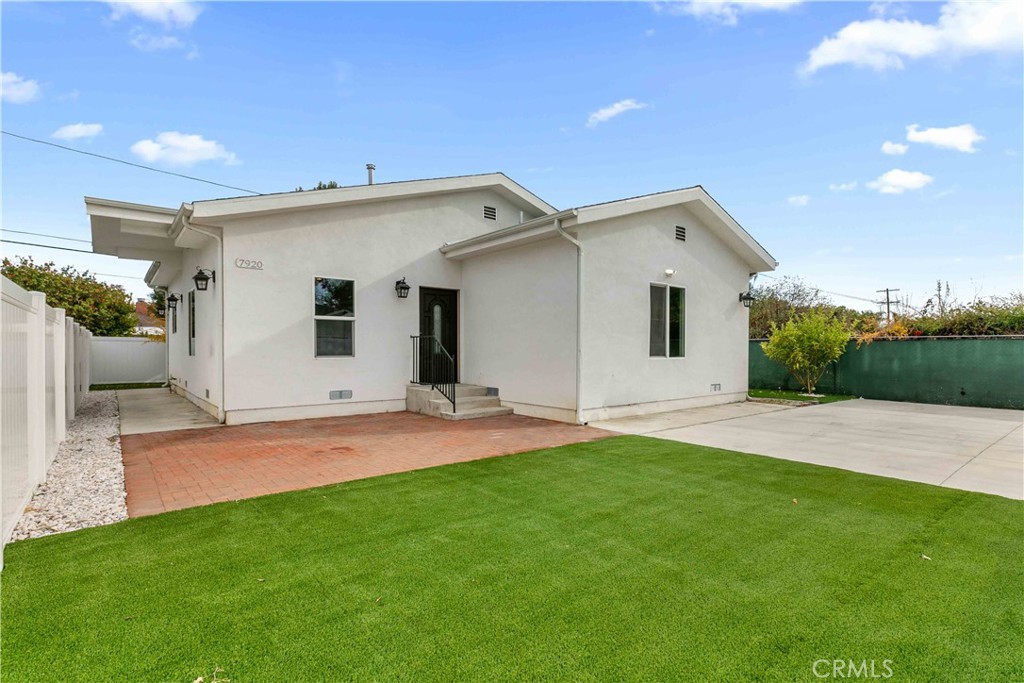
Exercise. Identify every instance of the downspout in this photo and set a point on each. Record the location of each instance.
(579, 319)
(222, 412)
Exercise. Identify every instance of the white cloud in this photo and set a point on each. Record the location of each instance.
(611, 111)
(169, 13)
(649, 32)
(722, 11)
(884, 8)
(151, 43)
(843, 187)
(78, 131)
(17, 90)
(961, 138)
(180, 149)
(799, 200)
(963, 28)
(898, 181)
(894, 148)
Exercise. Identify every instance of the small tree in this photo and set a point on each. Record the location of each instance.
(103, 309)
(806, 344)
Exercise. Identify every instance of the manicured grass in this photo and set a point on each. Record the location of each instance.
(629, 558)
(797, 396)
(120, 387)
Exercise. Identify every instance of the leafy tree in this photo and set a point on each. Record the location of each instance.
(778, 301)
(806, 344)
(105, 310)
(329, 185)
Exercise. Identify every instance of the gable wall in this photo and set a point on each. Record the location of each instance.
(623, 256)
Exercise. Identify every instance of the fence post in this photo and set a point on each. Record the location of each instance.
(59, 378)
(69, 368)
(36, 394)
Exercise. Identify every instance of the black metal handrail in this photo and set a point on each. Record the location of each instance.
(433, 365)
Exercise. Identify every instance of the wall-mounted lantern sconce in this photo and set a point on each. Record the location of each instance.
(746, 298)
(669, 272)
(202, 278)
(172, 301)
(402, 289)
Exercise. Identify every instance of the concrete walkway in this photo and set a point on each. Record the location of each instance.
(144, 411)
(974, 449)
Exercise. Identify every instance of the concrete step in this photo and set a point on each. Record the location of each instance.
(469, 390)
(466, 403)
(474, 413)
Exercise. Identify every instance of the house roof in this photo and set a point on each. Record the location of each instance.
(156, 233)
(695, 199)
(234, 207)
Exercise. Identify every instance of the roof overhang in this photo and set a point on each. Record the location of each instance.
(237, 207)
(143, 232)
(694, 199)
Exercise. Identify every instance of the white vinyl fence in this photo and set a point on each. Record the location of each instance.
(123, 360)
(44, 371)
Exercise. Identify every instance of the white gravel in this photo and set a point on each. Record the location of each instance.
(85, 484)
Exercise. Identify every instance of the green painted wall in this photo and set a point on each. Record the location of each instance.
(984, 371)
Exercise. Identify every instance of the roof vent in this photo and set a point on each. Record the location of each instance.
(680, 233)
(490, 213)
(370, 168)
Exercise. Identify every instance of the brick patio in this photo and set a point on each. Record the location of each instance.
(180, 469)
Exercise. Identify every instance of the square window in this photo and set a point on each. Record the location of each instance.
(334, 337)
(334, 297)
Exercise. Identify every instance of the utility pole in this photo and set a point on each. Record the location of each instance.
(887, 302)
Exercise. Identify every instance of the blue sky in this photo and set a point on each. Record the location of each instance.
(779, 109)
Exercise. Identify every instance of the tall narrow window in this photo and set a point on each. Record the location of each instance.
(192, 323)
(676, 322)
(668, 321)
(657, 320)
(334, 315)
(174, 320)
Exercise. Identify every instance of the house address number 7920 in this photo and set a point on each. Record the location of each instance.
(248, 263)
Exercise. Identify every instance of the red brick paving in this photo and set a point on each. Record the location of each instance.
(180, 469)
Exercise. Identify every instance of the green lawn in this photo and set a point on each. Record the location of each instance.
(624, 559)
(797, 396)
(121, 387)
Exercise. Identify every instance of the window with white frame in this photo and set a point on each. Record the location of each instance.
(192, 322)
(668, 321)
(334, 316)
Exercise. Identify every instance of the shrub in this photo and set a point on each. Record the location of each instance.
(806, 344)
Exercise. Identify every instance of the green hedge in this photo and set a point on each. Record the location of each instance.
(983, 371)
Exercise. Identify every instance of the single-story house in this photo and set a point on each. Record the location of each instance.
(328, 302)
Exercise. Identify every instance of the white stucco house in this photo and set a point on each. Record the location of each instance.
(622, 308)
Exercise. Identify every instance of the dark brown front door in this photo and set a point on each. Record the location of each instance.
(439, 318)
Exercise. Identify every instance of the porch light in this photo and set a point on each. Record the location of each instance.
(402, 289)
(172, 301)
(202, 278)
(746, 298)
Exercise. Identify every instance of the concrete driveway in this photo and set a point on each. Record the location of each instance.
(974, 449)
(144, 411)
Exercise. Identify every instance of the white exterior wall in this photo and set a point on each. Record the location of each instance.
(271, 367)
(519, 308)
(622, 258)
(198, 377)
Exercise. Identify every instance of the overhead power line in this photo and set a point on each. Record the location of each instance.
(845, 296)
(128, 163)
(41, 234)
(49, 246)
